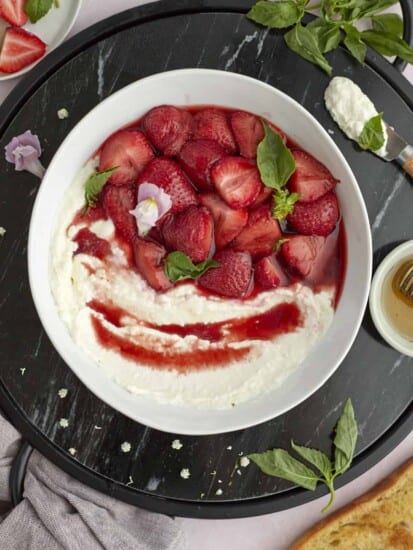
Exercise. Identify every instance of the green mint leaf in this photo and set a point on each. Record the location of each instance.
(388, 22)
(372, 135)
(36, 9)
(281, 464)
(301, 40)
(178, 266)
(278, 244)
(354, 43)
(283, 203)
(94, 185)
(387, 43)
(327, 35)
(317, 458)
(277, 15)
(345, 439)
(274, 160)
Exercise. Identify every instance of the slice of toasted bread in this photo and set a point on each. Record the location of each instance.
(382, 519)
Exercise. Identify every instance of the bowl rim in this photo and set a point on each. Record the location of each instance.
(112, 399)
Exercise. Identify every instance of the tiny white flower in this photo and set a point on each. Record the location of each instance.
(185, 473)
(62, 393)
(125, 447)
(64, 422)
(244, 461)
(62, 113)
(176, 444)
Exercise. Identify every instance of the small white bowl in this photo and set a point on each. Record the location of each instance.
(391, 261)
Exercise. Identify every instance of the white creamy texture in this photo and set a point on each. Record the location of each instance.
(350, 108)
(268, 364)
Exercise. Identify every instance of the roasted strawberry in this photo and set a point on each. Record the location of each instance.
(264, 195)
(129, 151)
(197, 157)
(118, 201)
(168, 175)
(213, 124)
(20, 48)
(248, 131)
(260, 233)
(311, 179)
(168, 128)
(237, 181)
(149, 257)
(13, 12)
(191, 231)
(317, 217)
(89, 243)
(234, 276)
(228, 222)
(300, 252)
(268, 273)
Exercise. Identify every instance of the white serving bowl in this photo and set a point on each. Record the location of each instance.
(203, 87)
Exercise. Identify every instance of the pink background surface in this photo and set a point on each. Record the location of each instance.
(273, 531)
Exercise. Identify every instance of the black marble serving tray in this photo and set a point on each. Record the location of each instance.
(77, 76)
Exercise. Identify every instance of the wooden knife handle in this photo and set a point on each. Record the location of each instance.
(408, 166)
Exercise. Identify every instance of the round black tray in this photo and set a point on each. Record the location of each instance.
(78, 75)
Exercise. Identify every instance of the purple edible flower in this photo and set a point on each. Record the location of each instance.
(153, 203)
(24, 151)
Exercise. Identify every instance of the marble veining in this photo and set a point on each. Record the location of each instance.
(104, 55)
(400, 181)
(246, 40)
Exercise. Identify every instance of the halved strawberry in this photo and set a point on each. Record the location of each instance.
(149, 257)
(213, 124)
(168, 128)
(118, 200)
(237, 181)
(264, 195)
(301, 251)
(168, 175)
(197, 158)
(20, 48)
(234, 276)
(13, 12)
(248, 131)
(268, 273)
(260, 233)
(130, 151)
(228, 222)
(190, 231)
(311, 178)
(317, 217)
(89, 243)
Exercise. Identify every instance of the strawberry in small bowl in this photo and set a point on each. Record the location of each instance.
(207, 263)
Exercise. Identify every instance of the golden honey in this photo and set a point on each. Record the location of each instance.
(396, 306)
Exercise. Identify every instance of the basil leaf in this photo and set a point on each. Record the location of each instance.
(274, 160)
(354, 44)
(328, 35)
(36, 9)
(179, 266)
(388, 22)
(372, 135)
(317, 458)
(366, 8)
(277, 15)
(389, 44)
(94, 186)
(301, 40)
(281, 464)
(284, 202)
(345, 439)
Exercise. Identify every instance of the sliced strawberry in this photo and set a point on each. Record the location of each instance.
(260, 233)
(264, 195)
(237, 181)
(13, 12)
(213, 124)
(197, 157)
(268, 273)
(89, 243)
(149, 257)
(190, 231)
(228, 222)
(168, 128)
(234, 276)
(20, 48)
(168, 175)
(130, 151)
(118, 201)
(301, 251)
(311, 178)
(317, 217)
(248, 131)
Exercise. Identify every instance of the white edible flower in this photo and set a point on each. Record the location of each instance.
(152, 204)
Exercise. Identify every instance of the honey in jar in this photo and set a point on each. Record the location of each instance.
(397, 308)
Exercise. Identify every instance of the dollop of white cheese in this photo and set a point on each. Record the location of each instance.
(351, 108)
